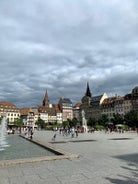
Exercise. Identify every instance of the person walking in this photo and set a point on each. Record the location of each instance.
(55, 135)
(76, 132)
(72, 132)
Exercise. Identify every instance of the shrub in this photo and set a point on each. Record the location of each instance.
(99, 127)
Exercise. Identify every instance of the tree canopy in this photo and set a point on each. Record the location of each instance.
(131, 119)
(117, 119)
(41, 123)
(18, 122)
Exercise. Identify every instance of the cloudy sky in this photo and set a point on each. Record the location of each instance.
(60, 45)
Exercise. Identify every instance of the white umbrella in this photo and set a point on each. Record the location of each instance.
(119, 125)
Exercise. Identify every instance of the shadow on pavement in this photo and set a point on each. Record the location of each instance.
(132, 162)
(120, 139)
(74, 141)
(119, 181)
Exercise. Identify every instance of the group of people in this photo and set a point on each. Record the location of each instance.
(73, 132)
(29, 132)
(65, 132)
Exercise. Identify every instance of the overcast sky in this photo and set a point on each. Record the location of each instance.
(60, 45)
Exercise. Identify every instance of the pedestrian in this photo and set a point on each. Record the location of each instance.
(26, 133)
(72, 132)
(54, 136)
(31, 134)
(76, 132)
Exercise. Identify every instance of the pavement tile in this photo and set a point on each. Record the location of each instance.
(4, 180)
(103, 161)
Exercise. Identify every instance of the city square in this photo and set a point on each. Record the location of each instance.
(99, 157)
(69, 92)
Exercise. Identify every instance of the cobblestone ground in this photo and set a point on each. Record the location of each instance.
(103, 159)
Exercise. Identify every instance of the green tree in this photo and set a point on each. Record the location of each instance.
(55, 124)
(91, 122)
(18, 122)
(117, 119)
(1, 119)
(65, 123)
(73, 122)
(131, 118)
(41, 123)
(103, 120)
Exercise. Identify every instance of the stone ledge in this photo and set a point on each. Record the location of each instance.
(36, 159)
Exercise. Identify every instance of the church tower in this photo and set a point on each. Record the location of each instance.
(86, 102)
(88, 93)
(46, 100)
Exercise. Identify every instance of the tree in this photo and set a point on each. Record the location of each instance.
(65, 123)
(18, 122)
(131, 119)
(55, 124)
(91, 122)
(1, 119)
(41, 123)
(117, 118)
(103, 120)
(73, 122)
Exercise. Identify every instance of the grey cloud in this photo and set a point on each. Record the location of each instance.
(60, 45)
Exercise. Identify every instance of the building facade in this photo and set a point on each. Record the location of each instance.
(10, 110)
(135, 98)
(28, 116)
(66, 108)
(111, 106)
(120, 105)
(77, 111)
(92, 104)
(50, 113)
(96, 102)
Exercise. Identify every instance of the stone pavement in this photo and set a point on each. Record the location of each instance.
(103, 159)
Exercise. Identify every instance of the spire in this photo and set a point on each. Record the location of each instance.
(46, 100)
(88, 93)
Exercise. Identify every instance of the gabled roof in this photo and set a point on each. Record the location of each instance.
(78, 104)
(96, 98)
(128, 96)
(112, 99)
(66, 100)
(26, 111)
(35, 110)
(42, 109)
(50, 110)
(8, 104)
(135, 90)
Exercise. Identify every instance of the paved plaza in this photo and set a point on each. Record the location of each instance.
(92, 158)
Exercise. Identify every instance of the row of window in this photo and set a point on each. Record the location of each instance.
(116, 109)
(14, 115)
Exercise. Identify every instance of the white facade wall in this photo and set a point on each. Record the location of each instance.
(11, 116)
(59, 117)
(44, 116)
